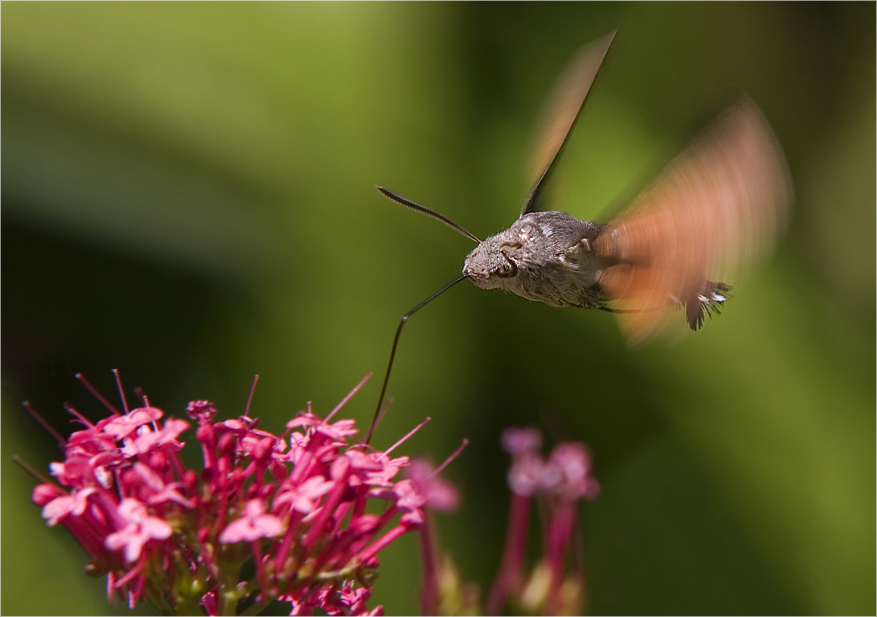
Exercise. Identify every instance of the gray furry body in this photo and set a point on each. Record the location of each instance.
(543, 256)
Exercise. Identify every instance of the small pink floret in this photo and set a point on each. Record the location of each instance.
(62, 506)
(122, 426)
(141, 528)
(254, 524)
(303, 498)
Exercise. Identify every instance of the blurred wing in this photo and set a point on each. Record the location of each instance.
(717, 206)
(561, 111)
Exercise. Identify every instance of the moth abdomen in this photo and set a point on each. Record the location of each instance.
(709, 300)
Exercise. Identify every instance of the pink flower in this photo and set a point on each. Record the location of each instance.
(141, 528)
(62, 506)
(303, 498)
(558, 483)
(122, 426)
(147, 439)
(91, 441)
(410, 500)
(254, 524)
(203, 411)
(573, 464)
(338, 431)
(517, 441)
(74, 471)
(300, 510)
(375, 469)
(156, 491)
(437, 494)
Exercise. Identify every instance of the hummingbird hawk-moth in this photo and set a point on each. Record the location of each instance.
(719, 204)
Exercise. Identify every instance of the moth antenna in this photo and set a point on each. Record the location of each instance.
(396, 343)
(424, 210)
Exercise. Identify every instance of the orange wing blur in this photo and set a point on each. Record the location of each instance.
(716, 207)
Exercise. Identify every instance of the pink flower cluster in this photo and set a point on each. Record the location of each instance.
(559, 482)
(299, 506)
(297, 518)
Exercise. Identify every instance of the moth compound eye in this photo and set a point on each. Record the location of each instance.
(509, 269)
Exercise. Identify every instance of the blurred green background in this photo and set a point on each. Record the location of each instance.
(188, 196)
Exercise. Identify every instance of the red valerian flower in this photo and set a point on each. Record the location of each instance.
(141, 527)
(253, 525)
(296, 518)
(559, 483)
(293, 504)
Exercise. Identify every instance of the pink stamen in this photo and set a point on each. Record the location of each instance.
(30, 470)
(97, 394)
(346, 398)
(250, 397)
(409, 434)
(453, 455)
(61, 441)
(138, 391)
(121, 390)
(82, 419)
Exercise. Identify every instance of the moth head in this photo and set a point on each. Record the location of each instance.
(493, 263)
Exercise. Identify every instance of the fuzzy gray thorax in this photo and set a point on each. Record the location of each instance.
(543, 256)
